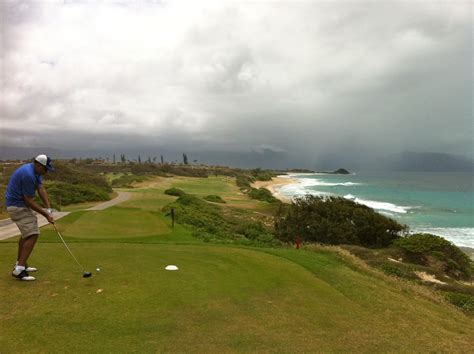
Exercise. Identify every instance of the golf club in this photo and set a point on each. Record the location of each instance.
(84, 273)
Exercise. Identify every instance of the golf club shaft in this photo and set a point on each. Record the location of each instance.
(65, 244)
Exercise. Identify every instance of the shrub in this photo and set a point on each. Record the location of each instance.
(435, 251)
(335, 221)
(127, 181)
(254, 231)
(243, 181)
(210, 224)
(262, 194)
(76, 174)
(175, 191)
(391, 269)
(214, 199)
(261, 175)
(464, 301)
(65, 193)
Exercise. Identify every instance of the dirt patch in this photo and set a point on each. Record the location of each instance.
(428, 277)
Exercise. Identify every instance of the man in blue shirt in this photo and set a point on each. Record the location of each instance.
(20, 204)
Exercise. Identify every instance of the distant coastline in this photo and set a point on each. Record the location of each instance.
(280, 181)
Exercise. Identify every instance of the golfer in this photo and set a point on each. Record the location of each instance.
(19, 197)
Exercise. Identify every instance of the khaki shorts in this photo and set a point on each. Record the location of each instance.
(25, 219)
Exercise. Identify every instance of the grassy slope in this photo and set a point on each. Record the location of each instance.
(221, 299)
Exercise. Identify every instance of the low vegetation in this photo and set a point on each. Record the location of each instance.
(210, 224)
(262, 194)
(175, 192)
(435, 252)
(127, 181)
(72, 174)
(70, 184)
(214, 199)
(244, 182)
(62, 193)
(335, 221)
(262, 175)
(394, 261)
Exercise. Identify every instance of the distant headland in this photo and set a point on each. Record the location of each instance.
(341, 171)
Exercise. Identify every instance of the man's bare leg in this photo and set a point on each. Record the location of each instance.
(20, 246)
(25, 247)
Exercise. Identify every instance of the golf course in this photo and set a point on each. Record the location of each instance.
(225, 296)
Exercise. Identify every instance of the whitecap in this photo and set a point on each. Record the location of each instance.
(383, 206)
(319, 183)
(298, 190)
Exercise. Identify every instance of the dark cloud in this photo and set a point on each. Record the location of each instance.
(307, 79)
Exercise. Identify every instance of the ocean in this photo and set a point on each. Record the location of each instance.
(432, 202)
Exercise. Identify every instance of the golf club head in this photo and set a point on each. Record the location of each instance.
(86, 274)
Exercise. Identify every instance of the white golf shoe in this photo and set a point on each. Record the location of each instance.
(23, 275)
(31, 269)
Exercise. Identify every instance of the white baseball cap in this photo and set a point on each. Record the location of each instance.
(45, 161)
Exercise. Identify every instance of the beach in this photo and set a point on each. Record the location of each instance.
(274, 186)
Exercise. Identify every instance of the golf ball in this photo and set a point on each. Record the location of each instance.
(98, 269)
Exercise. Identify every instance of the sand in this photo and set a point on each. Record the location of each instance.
(274, 186)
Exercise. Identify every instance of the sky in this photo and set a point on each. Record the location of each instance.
(307, 79)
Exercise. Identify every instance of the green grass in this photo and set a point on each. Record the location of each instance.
(212, 185)
(115, 222)
(222, 299)
(238, 299)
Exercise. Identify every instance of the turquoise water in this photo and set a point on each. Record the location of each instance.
(438, 203)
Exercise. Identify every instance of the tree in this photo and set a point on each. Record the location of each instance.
(185, 159)
(122, 157)
(114, 159)
(139, 159)
(162, 160)
(335, 221)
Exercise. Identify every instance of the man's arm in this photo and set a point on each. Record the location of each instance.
(30, 203)
(44, 196)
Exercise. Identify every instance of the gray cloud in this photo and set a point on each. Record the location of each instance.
(307, 78)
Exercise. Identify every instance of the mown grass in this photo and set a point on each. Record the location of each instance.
(222, 299)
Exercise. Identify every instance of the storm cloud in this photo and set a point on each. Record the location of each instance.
(308, 79)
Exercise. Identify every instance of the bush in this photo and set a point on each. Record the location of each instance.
(76, 174)
(243, 182)
(175, 192)
(464, 301)
(261, 175)
(191, 210)
(127, 181)
(436, 252)
(335, 221)
(254, 231)
(262, 194)
(61, 193)
(210, 224)
(391, 269)
(214, 199)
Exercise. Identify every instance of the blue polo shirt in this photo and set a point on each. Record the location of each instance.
(24, 181)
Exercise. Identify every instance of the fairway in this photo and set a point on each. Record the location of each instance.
(223, 298)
